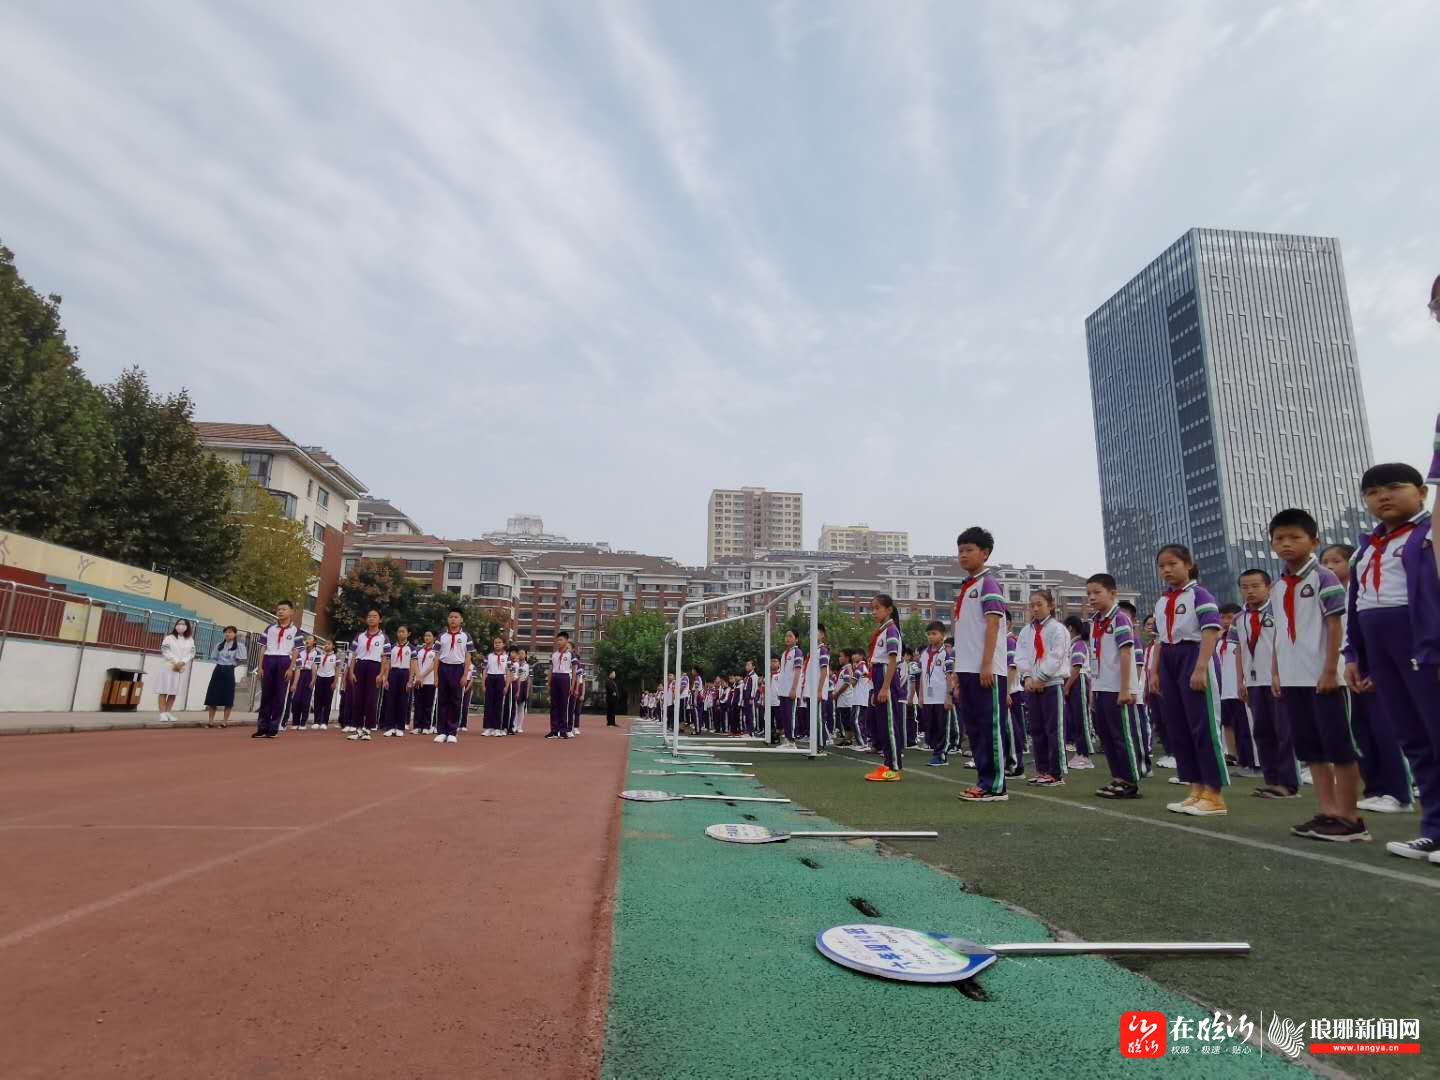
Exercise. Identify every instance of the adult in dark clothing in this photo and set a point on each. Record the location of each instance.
(612, 699)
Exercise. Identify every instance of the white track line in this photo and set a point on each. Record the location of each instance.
(1432, 882)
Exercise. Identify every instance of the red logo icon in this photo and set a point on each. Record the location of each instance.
(1142, 1034)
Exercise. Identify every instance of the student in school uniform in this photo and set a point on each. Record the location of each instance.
(1112, 640)
(177, 651)
(302, 675)
(792, 670)
(397, 676)
(1155, 733)
(955, 733)
(497, 679)
(843, 695)
(817, 679)
(1307, 649)
(522, 694)
(936, 665)
(772, 699)
(1274, 744)
(342, 688)
(1187, 622)
(1383, 769)
(864, 688)
(1042, 656)
(468, 687)
(454, 663)
(1013, 728)
(911, 686)
(562, 664)
(277, 652)
(325, 668)
(749, 692)
(1394, 624)
(1241, 754)
(365, 677)
(577, 695)
(1078, 732)
(887, 711)
(979, 680)
(427, 659)
(228, 655)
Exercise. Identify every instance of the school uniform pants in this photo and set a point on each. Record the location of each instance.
(559, 703)
(1320, 724)
(1409, 696)
(397, 700)
(1119, 735)
(912, 724)
(1382, 764)
(465, 706)
(1273, 739)
(1077, 717)
(887, 724)
(982, 715)
(827, 722)
(324, 695)
(1234, 715)
(787, 718)
(577, 703)
(1015, 728)
(424, 705)
(273, 672)
(1145, 742)
(494, 702)
(451, 697)
(1046, 712)
(300, 698)
(365, 695)
(802, 719)
(1191, 717)
(936, 723)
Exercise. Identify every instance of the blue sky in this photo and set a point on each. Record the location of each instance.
(592, 260)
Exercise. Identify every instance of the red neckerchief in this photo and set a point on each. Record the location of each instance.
(1039, 641)
(1102, 627)
(1255, 628)
(1172, 597)
(960, 598)
(1291, 580)
(871, 655)
(930, 655)
(1378, 543)
(369, 637)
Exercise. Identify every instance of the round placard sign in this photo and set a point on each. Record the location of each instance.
(892, 952)
(647, 772)
(742, 834)
(640, 795)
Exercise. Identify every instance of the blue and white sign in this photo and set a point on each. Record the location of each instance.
(641, 795)
(892, 952)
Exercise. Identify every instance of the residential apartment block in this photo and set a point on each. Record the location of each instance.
(743, 521)
(863, 540)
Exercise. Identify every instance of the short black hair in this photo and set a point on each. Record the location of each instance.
(1346, 550)
(230, 628)
(1390, 472)
(1229, 608)
(820, 627)
(981, 538)
(284, 603)
(565, 634)
(1294, 518)
(1129, 608)
(1255, 571)
(935, 624)
(371, 611)
(1105, 581)
(1077, 624)
(949, 639)
(455, 611)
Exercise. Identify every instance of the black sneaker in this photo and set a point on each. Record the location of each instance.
(1341, 831)
(1307, 828)
(1422, 848)
(1013, 773)
(272, 735)
(552, 735)
(258, 735)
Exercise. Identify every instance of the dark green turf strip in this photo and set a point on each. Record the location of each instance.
(715, 973)
(1330, 941)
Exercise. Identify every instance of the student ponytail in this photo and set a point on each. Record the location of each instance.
(1181, 552)
(885, 600)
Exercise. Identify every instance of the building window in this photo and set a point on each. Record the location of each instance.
(257, 465)
(587, 620)
(350, 564)
(490, 591)
(453, 589)
(489, 569)
(652, 603)
(318, 532)
(288, 503)
(587, 635)
(610, 582)
(587, 603)
(1014, 594)
(392, 526)
(611, 603)
(322, 496)
(309, 489)
(589, 581)
(454, 571)
(420, 566)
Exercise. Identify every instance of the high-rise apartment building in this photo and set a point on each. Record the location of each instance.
(1225, 387)
(863, 540)
(743, 521)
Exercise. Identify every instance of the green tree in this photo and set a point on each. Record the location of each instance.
(912, 631)
(274, 562)
(172, 507)
(633, 647)
(57, 453)
(382, 584)
(723, 650)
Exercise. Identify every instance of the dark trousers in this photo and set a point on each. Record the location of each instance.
(1015, 728)
(936, 722)
(1233, 714)
(827, 721)
(1143, 744)
(559, 704)
(273, 672)
(300, 698)
(610, 704)
(365, 695)
(424, 705)
(1409, 696)
(494, 702)
(1382, 764)
(787, 717)
(397, 700)
(802, 719)
(982, 714)
(451, 695)
(1077, 717)
(912, 723)
(324, 695)
(1192, 717)
(1273, 739)
(1046, 712)
(1118, 735)
(887, 723)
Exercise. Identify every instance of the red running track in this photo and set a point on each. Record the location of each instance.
(200, 904)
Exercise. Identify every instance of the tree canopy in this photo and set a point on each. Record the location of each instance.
(382, 584)
(274, 562)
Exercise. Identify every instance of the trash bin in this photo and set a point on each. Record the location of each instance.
(122, 690)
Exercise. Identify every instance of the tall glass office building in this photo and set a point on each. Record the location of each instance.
(1225, 387)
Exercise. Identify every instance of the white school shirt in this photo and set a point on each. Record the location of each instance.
(453, 648)
(1111, 635)
(1393, 590)
(792, 661)
(979, 600)
(325, 666)
(497, 663)
(1047, 660)
(773, 698)
(279, 641)
(1195, 611)
(309, 658)
(400, 656)
(427, 657)
(1257, 643)
(562, 663)
(934, 669)
(369, 646)
(1226, 649)
(1314, 595)
(846, 697)
(863, 685)
(524, 671)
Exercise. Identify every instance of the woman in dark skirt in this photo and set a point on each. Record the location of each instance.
(220, 694)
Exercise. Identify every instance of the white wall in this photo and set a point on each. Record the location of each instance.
(39, 676)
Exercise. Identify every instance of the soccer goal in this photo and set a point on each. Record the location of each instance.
(774, 595)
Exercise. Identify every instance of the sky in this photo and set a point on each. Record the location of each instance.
(592, 260)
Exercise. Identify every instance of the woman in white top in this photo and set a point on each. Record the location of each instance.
(177, 651)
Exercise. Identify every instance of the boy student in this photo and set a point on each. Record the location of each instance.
(1112, 636)
(936, 664)
(1138, 710)
(1042, 658)
(562, 665)
(792, 669)
(1234, 717)
(749, 694)
(522, 693)
(278, 648)
(860, 671)
(497, 682)
(302, 674)
(454, 661)
(427, 658)
(1077, 695)
(911, 688)
(772, 696)
(1013, 727)
(397, 675)
(1274, 743)
(365, 678)
(979, 679)
(1307, 648)
(1394, 624)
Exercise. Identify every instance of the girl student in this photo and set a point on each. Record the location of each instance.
(325, 670)
(497, 684)
(427, 660)
(1042, 659)
(364, 679)
(177, 651)
(1187, 626)
(302, 682)
(1079, 733)
(792, 672)
(397, 675)
(887, 709)
(220, 693)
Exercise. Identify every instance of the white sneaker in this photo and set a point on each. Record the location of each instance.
(1423, 848)
(1176, 780)
(353, 738)
(450, 738)
(439, 738)
(399, 734)
(1166, 762)
(347, 729)
(1305, 776)
(364, 736)
(1079, 761)
(1384, 804)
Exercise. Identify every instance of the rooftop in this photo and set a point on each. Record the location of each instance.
(222, 433)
